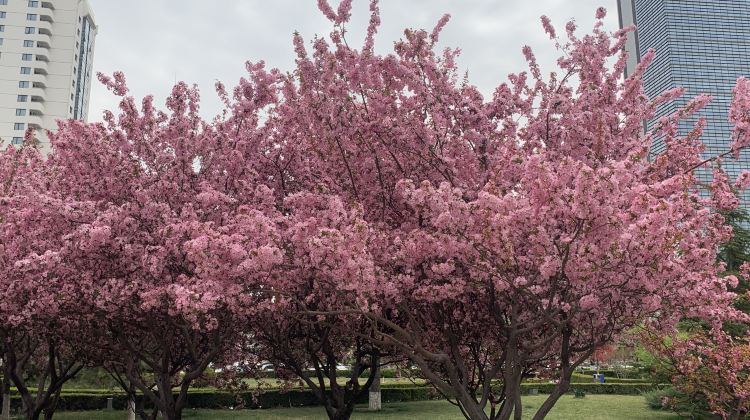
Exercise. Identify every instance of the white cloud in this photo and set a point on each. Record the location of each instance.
(156, 42)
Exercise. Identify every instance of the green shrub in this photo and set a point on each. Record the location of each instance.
(630, 373)
(76, 400)
(387, 372)
(671, 399)
(595, 388)
(589, 378)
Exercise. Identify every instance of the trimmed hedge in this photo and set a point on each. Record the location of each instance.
(215, 399)
(586, 378)
(221, 399)
(345, 373)
(594, 388)
(631, 373)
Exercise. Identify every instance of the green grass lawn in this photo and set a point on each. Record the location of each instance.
(593, 407)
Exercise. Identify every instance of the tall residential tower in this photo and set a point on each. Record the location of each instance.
(701, 45)
(46, 56)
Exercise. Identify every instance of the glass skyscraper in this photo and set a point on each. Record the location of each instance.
(701, 45)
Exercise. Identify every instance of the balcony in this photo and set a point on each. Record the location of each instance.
(47, 15)
(32, 91)
(40, 38)
(40, 53)
(36, 79)
(35, 94)
(44, 27)
(33, 121)
(40, 67)
(35, 108)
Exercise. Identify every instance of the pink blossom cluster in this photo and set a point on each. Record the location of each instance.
(371, 205)
(708, 366)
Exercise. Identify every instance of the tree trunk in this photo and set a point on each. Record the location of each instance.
(518, 412)
(473, 411)
(341, 414)
(131, 409)
(32, 414)
(174, 415)
(48, 414)
(171, 411)
(550, 402)
(5, 413)
(375, 401)
(566, 372)
(338, 413)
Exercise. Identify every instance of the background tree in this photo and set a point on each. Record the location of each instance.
(734, 253)
(37, 345)
(707, 365)
(300, 332)
(707, 368)
(368, 204)
(515, 233)
(165, 266)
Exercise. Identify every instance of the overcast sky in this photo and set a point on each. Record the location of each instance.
(156, 42)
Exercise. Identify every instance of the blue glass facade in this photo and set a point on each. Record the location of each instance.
(85, 56)
(701, 45)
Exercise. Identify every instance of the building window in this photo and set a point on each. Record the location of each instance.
(25, 70)
(28, 43)
(30, 30)
(22, 98)
(3, 2)
(31, 16)
(20, 112)
(17, 140)
(33, 3)
(2, 28)
(26, 57)
(2, 15)
(23, 84)
(18, 126)
(1, 41)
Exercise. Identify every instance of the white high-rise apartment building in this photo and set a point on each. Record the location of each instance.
(46, 57)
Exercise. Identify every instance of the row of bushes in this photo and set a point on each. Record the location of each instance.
(223, 399)
(577, 380)
(80, 401)
(583, 377)
(386, 372)
(594, 388)
(629, 373)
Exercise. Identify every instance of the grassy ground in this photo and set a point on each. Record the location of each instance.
(593, 407)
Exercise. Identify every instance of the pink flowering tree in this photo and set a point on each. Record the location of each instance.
(300, 331)
(364, 204)
(39, 349)
(515, 234)
(325, 243)
(707, 366)
(179, 236)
